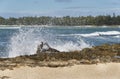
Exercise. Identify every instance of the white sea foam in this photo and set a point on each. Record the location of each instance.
(26, 41)
(70, 46)
(118, 36)
(22, 43)
(102, 33)
(107, 33)
(8, 27)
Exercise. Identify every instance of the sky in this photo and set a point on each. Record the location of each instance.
(19, 8)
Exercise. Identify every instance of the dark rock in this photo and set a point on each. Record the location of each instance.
(57, 64)
(44, 47)
(53, 58)
(4, 77)
(95, 61)
(84, 61)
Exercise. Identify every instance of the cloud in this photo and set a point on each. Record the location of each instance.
(63, 0)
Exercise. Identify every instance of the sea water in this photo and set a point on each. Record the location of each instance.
(16, 41)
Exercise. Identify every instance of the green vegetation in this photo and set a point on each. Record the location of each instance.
(62, 21)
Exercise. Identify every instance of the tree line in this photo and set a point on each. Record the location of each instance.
(62, 21)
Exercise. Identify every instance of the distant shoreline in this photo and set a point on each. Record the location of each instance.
(100, 20)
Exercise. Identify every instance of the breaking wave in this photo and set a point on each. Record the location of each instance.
(108, 33)
(26, 40)
(8, 27)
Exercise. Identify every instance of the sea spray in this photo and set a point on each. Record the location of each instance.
(26, 40)
(72, 46)
(21, 43)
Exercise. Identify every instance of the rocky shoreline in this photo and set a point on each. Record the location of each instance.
(99, 54)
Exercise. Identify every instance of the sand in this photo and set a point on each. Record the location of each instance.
(100, 71)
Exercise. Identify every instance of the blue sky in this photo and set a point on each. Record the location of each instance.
(17, 8)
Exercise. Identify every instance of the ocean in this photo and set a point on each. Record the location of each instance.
(16, 41)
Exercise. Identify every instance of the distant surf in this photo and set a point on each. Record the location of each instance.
(107, 33)
(8, 27)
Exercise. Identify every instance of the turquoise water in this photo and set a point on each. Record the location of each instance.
(15, 41)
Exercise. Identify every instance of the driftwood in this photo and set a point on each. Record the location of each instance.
(44, 47)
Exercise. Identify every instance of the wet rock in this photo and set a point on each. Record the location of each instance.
(53, 58)
(95, 61)
(4, 77)
(73, 61)
(44, 47)
(57, 64)
(84, 61)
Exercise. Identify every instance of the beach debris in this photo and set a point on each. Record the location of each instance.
(44, 47)
(57, 64)
(95, 61)
(73, 61)
(4, 77)
(85, 61)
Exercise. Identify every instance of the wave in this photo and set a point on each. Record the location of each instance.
(118, 36)
(10, 27)
(25, 42)
(108, 33)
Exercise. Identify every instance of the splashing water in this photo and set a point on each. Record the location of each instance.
(26, 40)
(22, 43)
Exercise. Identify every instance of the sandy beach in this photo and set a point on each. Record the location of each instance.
(100, 71)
